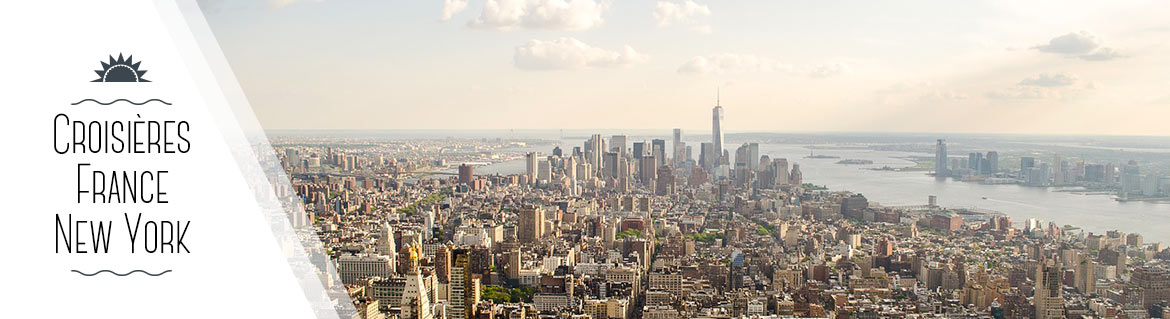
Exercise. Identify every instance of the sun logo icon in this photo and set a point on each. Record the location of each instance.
(120, 70)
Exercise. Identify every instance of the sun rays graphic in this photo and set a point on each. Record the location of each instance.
(120, 70)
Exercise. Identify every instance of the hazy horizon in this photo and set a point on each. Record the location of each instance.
(987, 67)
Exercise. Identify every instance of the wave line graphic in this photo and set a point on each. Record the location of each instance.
(121, 100)
(122, 275)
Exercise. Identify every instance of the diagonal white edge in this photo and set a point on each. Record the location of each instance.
(256, 159)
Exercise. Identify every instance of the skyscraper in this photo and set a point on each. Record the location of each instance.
(707, 155)
(717, 127)
(466, 174)
(992, 162)
(1027, 162)
(1084, 279)
(753, 156)
(611, 165)
(530, 166)
(385, 245)
(679, 154)
(780, 166)
(593, 151)
(531, 225)
(617, 143)
(975, 162)
(1049, 293)
(658, 149)
(940, 159)
(463, 294)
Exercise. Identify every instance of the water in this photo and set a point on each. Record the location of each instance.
(1093, 213)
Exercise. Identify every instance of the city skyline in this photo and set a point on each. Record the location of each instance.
(1002, 67)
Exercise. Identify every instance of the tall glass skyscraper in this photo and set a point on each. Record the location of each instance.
(940, 159)
(717, 128)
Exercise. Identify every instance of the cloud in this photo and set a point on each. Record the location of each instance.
(1045, 86)
(747, 63)
(559, 15)
(1024, 93)
(1082, 45)
(824, 70)
(938, 95)
(451, 7)
(1102, 54)
(1050, 80)
(728, 63)
(569, 53)
(668, 12)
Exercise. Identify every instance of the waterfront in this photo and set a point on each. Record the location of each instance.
(1093, 213)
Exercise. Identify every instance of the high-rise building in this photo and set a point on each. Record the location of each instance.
(940, 159)
(531, 224)
(707, 156)
(463, 294)
(617, 143)
(717, 127)
(975, 162)
(743, 156)
(385, 244)
(658, 149)
(1049, 294)
(754, 156)
(1154, 282)
(610, 169)
(647, 167)
(1110, 176)
(593, 151)
(512, 260)
(466, 174)
(1131, 178)
(679, 154)
(416, 298)
(1084, 279)
(443, 259)
(544, 171)
(1027, 162)
(780, 167)
(992, 162)
(796, 178)
(665, 181)
(530, 166)
(639, 149)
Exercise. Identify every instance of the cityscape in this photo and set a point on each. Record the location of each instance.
(674, 225)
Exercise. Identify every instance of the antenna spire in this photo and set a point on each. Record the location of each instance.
(716, 96)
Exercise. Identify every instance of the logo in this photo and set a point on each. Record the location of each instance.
(120, 70)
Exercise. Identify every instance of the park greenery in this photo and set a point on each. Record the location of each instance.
(631, 233)
(501, 295)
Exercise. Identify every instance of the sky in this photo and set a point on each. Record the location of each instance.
(1010, 67)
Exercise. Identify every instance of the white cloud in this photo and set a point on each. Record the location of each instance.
(1050, 80)
(729, 63)
(748, 63)
(1082, 45)
(1024, 93)
(451, 7)
(569, 53)
(937, 95)
(668, 12)
(561, 15)
(1102, 54)
(824, 70)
